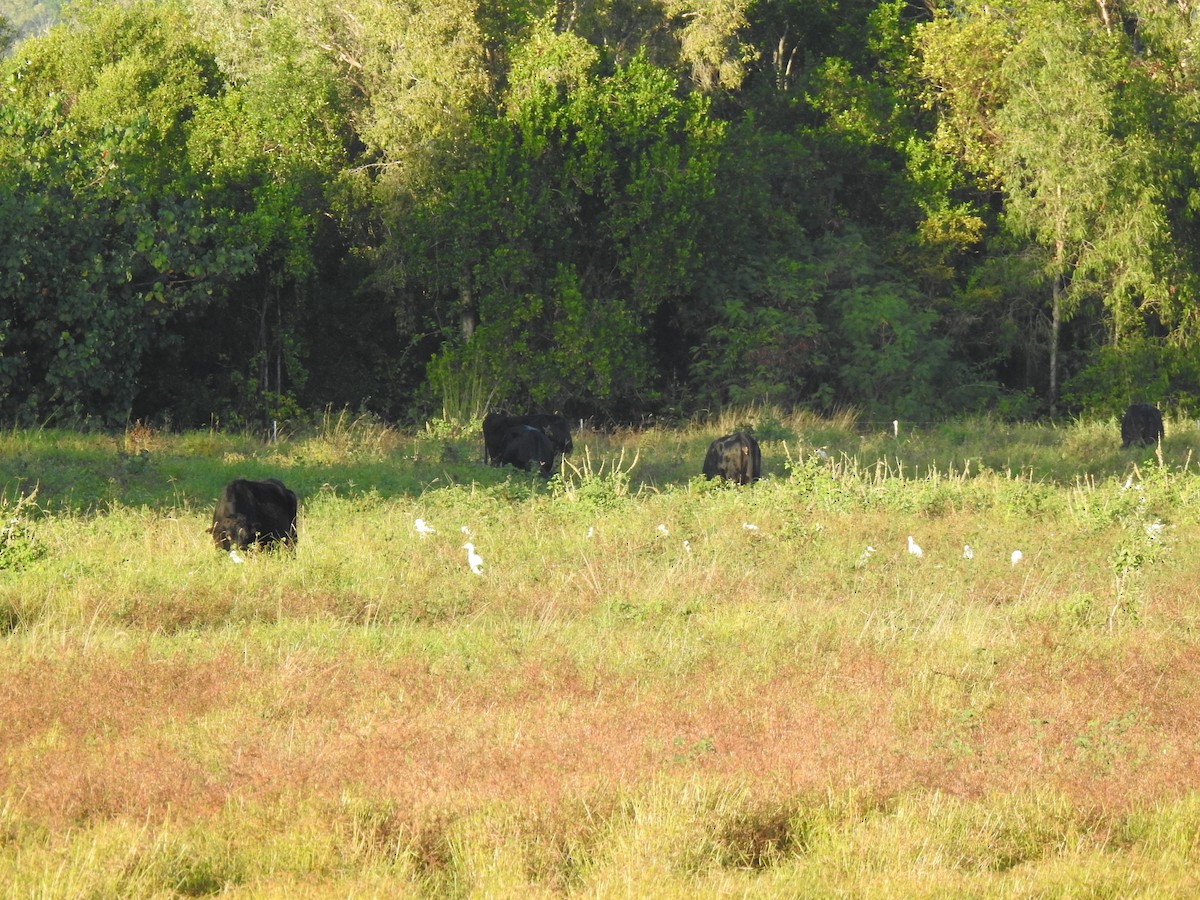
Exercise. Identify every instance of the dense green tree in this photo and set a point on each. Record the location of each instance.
(830, 257)
(272, 146)
(247, 209)
(106, 241)
(160, 207)
(573, 226)
(1046, 104)
(1074, 182)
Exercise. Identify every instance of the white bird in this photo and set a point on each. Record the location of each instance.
(866, 555)
(474, 560)
(423, 528)
(591, 531)
(914, 548)
(749, 527)
(465, 530)
(662, 529)
(968, 552)
(687, 546)
(1016, 557)
(1154, 531)
(235, 556)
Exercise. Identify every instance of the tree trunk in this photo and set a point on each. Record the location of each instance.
(264, 346)
(1055, 326)
(278, 344)
(467, 318)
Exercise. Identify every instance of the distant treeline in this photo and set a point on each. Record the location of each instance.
(28, 17)
(248, 211)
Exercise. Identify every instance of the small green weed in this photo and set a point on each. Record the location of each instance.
(599, 486)
(19, 545)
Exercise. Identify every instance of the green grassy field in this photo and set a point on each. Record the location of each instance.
(614, 709)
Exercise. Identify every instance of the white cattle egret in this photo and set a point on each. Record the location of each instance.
(749, 527)
(662, 529)
(465, 530)
(968, 553)
(474, 560)
(687, 546)
(822, 455)
(914, 548)
(423, 528)
(1154, 530)
(1017, 556)
(235, 556)
(866, 555)
(591, 532)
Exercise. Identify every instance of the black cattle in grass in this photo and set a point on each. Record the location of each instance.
(525, 447)
(254, 512)
(734, 457)
(496, 427)
(1142, 424)
(554, 427)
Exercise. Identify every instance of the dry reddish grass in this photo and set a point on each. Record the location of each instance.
(89, 737)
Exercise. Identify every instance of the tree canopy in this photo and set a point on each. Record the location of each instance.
(242, 210)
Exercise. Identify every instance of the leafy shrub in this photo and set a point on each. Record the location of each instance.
(1141, 368)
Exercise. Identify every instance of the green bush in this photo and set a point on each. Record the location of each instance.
(1141, 369)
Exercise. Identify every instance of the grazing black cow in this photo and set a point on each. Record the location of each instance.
(496, 427)
(254, 512)
(525, 446)
(734, 457)
(1142, 424)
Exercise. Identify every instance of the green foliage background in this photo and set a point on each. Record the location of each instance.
(219, 209)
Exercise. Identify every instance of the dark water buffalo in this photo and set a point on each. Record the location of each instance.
(525, 447)
(734, 457)
(1142, 424)
(254, 512)
(496, 427)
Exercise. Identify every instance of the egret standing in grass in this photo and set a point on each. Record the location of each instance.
(968, 552)
(235, 556)
(914, 548)
(423, 528)
(1016, 557)
(474, 560)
